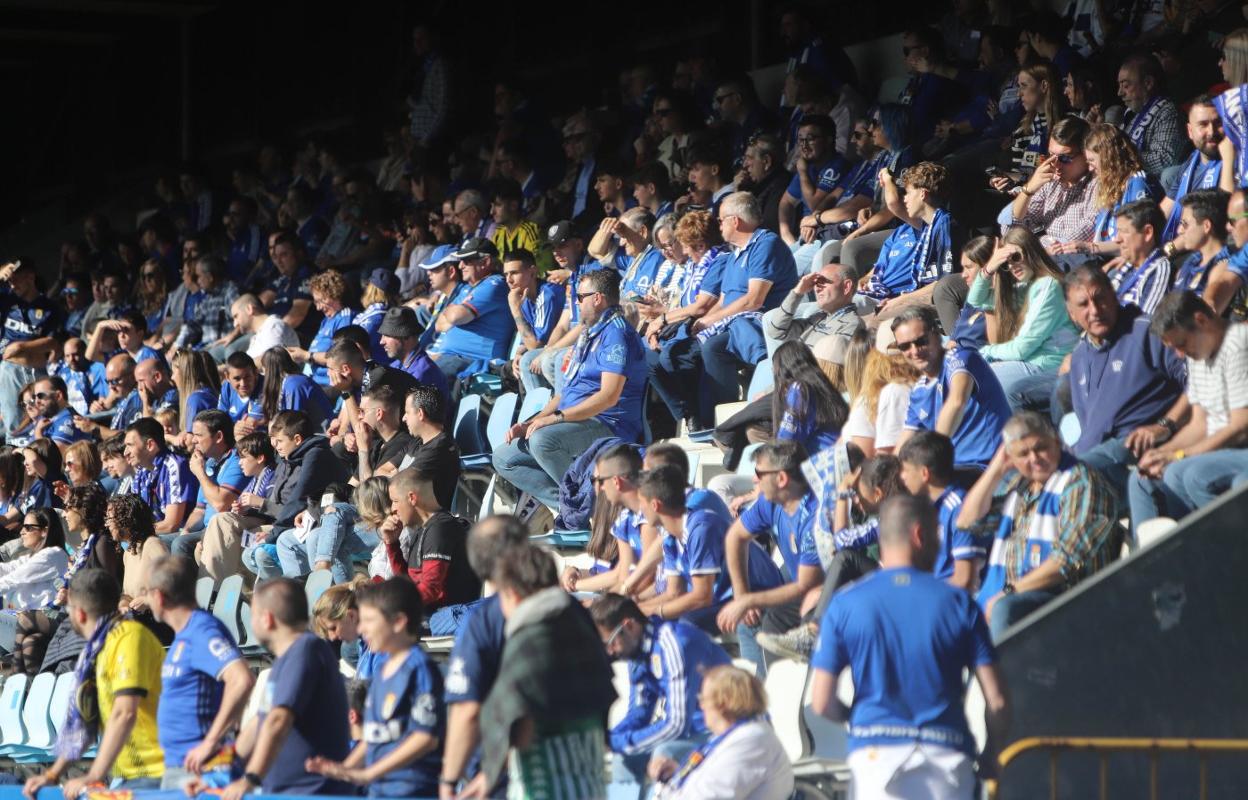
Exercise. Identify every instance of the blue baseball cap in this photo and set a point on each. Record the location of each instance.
(441, 254)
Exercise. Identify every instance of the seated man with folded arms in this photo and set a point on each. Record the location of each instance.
(698, 584)
(1057, 526)
(785, 513)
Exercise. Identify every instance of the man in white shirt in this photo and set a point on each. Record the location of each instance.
(266, 330)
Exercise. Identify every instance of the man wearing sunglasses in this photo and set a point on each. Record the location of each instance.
(603, 395)
(56, 419)
(1058, 201)
(123, 395)
(957, 395)
(666, 662)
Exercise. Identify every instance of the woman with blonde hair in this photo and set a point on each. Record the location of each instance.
(1232, 110)
(381, 293)
(196, 378)
(1040, 94)
(879, 394)
(1022, 286)
(336, 618)
(82, 465)
(743, 758)
(330, 296)
(1115, 162)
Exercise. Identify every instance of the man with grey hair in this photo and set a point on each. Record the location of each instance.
(626, 243)
(758, 274)
(472, 214)
(477, 652)
(909, 738)
(1057, 526)
(763, 175)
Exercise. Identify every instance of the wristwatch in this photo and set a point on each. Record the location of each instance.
(559, 415)
(253, 778)
(1007, 589)
(1168, 424)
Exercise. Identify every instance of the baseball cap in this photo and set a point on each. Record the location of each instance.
(474, 248)
(561, 232)
(384, 280)
(441, 254)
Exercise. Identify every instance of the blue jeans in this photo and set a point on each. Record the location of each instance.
(804, 255)
(1113, 460)
(723, 355)
(13, 378)
(747, 642)
(184, 544)
(333, 540)
(1185, 485)
(1011, 608)
(451, 365)
(1035, 393)
(551, 368)
(537, 465)
(1022, 380)
(527, 378)
(674, 369)
(261, 559)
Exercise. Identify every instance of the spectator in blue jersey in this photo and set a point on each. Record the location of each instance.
(615, 477)
(400, 340)
(205, 681)
(29, 320)
(652, 188)
(43, 472)
(290, 296)
(123, 398)
(1058, 525)
(310, 228)
(904, 736)
(162, 479)
(1201, 233)
(195, 376)
(1126, 386)
(124, 332)
(957, 394)
(476, 655)
(404, 715)
(304, 712)
(84, 379)
(329, 293)
(819, 169)
(156, 391)
(76, 297)
(603, 396)
(759, 273)
(930, 93)
(920, 251)
(927, 471)
(244, 237)
(670, 453)
(1202, 169)
(666, 661)
(623, 243)
(240, 393)
(214, 463)
(698, 583)
(1144, 273)
(476, 327)
(1120, 180)
(210, 326)
(856, 189)
(535, 304)
(806, 408)
(56, 418)
(784, 514)
(380, 293)
(445, 288)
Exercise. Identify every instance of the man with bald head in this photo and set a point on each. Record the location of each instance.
(84, 379)
(265, 331)
(155, 388)
(123, 395)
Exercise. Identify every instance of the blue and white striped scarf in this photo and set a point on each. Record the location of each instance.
(1232, 106)
(1041, 535)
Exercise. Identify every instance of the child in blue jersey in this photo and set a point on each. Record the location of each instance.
(404, 716)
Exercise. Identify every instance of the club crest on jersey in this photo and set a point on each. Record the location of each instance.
(656, 665)
(388, 705)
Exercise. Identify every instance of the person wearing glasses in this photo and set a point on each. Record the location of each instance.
(55, 418)
(1201, 233)
(76, 298)
(957, 394)
(851, 194)
(603, 395)
(819, 170)
(123, 396)
(1022, 287)
(1058, 201)
(477, 327)
(666, 661)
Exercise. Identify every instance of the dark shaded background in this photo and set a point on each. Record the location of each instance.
(92, 89)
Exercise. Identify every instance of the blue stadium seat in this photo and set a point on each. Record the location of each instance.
(318, 582)
(203, 592)
(467, 432)
(229, 599)
(534, 402)
(762, 381)
(496, 427)
(37, 719)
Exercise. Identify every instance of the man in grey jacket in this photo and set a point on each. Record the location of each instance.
(834, 286)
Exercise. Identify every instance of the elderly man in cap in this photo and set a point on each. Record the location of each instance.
(400, 339)
(477, 327)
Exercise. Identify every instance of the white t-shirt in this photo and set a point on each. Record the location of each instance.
(890, 417)
(274, 332)
(749, 764)
(1220, 385)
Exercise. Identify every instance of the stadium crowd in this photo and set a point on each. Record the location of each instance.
(999, 325)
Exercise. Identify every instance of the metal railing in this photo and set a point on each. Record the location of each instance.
(1106, 746)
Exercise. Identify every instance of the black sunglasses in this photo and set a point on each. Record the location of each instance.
(582, 295)
(113, 381)
(763, 473)
(42, 395)
(905, 346)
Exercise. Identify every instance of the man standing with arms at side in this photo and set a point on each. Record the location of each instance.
(907, 739)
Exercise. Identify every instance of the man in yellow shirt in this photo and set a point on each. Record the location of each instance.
(123, 659)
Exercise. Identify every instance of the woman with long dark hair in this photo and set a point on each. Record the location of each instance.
(1022, 286)
(29, 585)
(43, 471)
(286, 388)
(805, 406)
(129, 521)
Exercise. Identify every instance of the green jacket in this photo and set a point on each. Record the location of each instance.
(1046, 334)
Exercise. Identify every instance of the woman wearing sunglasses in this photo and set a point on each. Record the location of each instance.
(1022, 286)
(29, 583)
